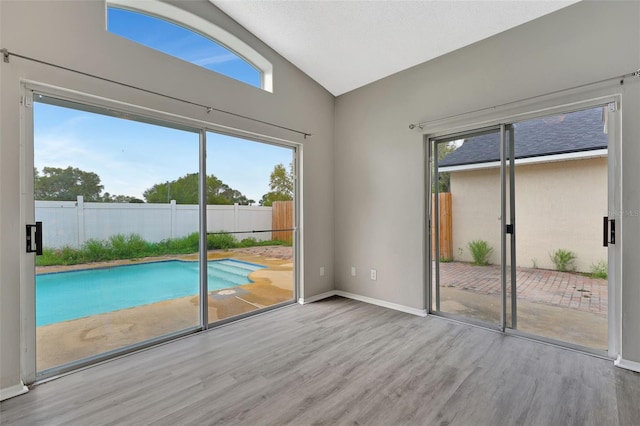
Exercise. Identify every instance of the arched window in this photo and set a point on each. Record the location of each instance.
(178, 33)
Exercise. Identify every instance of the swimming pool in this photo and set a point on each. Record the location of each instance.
(63, 296)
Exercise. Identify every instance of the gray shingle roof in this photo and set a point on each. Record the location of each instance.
(558, 134)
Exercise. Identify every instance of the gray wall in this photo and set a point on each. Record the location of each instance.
(72, 34)
(379, 189)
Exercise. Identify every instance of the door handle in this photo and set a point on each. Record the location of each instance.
(608, 231)
(34, 238)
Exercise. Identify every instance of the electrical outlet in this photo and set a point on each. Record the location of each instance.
(353, 271)
(374, 274)
(322, 271)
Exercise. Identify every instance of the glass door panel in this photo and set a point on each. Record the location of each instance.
(561, 197)
(250, 225)
(118, 200)
(467, 227)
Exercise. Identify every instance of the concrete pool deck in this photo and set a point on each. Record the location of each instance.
(67, 341)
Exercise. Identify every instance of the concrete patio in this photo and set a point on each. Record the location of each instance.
(568, 307)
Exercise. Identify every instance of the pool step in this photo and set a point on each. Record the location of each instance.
(232, 271)
(240, 265)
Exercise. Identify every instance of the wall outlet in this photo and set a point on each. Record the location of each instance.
(322, 271)
(353, 271)
(374, 274)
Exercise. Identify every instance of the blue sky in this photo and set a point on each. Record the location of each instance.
(179, 42)
(130, 156)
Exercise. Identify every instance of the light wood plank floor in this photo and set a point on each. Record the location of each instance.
(339, 361)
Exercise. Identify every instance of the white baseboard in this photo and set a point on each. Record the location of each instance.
(316, 297)
(12, 391)
(383, 303)
(629, 365)
(365, 299)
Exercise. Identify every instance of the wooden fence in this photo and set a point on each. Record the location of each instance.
(446, 229)
(282, 218)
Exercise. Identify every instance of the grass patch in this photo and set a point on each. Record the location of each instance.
(599, 270)
(133, 246)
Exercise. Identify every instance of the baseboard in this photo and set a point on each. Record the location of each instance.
(304, 301)
(12, 391)
(365, 299)
(383, 303)
(628, 365)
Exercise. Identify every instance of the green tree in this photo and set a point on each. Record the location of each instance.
(185, 191)
(108, 198)
(444, 179)
(281, 185)
(66, 184)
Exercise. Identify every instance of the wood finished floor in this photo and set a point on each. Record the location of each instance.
(339, 361)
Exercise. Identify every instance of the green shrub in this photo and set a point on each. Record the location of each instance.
(183, 245)
(599, 270)
(221, 242)
(49, 257)
(132, 246)
(249, 242)
(480, 251)
(70, 256)
(96, 251)
(563, 259)
(127, 246)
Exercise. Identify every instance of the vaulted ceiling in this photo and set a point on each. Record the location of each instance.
(346, 44)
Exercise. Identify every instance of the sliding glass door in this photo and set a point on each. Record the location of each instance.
(546, 273)
(145, 230)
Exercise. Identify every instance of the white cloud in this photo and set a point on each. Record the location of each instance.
(216, 59)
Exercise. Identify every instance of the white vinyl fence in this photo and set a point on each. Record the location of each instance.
(71, 223)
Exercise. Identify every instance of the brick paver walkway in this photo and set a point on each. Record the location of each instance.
(569, 290)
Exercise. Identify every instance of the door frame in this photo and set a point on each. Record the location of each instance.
(29, 373)
(558, 103)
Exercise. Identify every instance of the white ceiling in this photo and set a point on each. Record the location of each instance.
(346, 44)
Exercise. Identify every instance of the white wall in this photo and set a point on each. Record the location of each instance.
(379, 161)
(559, 205)
(72, 34)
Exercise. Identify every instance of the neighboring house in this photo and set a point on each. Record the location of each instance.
(560, 189)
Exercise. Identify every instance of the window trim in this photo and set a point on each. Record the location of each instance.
(208, 29)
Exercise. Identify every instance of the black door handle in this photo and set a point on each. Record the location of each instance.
(34, 238)
(608, 233)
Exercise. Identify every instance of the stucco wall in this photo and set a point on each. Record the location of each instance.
(73, 34)
(559, 205)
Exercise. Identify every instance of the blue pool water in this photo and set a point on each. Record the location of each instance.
(64, 296)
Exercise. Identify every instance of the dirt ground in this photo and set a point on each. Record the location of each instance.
(68, 341)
